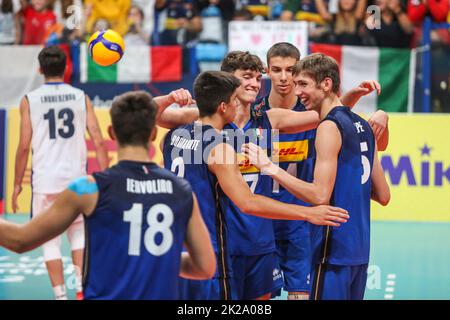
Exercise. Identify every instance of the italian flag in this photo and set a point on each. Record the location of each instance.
(139, 64)
(394, 69)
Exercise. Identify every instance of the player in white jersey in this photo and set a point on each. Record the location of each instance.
(54, 119)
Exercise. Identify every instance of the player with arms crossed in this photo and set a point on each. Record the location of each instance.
(137, 216)
(347, 173)
(200, 153)
(54, 119)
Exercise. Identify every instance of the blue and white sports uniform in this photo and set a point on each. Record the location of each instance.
(341, 255)
(296, 155)
(186, 150)
(135, 235)
(252, 241)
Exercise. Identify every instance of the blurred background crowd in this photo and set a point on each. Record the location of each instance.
(183, 22)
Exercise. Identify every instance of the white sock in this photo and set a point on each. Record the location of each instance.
(79, 283)
(60, 292)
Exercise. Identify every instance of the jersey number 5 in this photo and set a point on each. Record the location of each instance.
(68, 128)
(365, 163)
(134, 217)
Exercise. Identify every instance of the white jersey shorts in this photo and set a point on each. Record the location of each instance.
(75, 233)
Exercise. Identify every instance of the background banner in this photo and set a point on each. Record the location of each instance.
(417, 167)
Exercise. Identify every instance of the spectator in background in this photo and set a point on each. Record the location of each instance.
(303, 10)
(395, 27)
(136, 35)
(437, 9)
(261, 9)
(215, 15)
(36, 19)
(242, 15)
(69, 14)
(148, 8)
(114, 11)
(8, 21)
(182, 24)
(346, 26)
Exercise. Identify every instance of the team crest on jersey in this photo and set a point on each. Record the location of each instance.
(359, 127)
(276, 274)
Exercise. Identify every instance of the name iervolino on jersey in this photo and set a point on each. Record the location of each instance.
(158, 186)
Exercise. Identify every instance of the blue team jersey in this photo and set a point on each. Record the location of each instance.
(349, 244)
(296, 155)
(250, 235)
(135, 235)
(186, 151)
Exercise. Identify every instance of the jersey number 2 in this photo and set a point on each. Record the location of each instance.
(134, 217)
(68, 128)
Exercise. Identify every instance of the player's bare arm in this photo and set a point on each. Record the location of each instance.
(222, 162)
(23, 149)
(175, 117)
(81, 196)
(96, 136)
(380, 188)
(200, 261)
(328, 145)
(288, 121)
(172, 118)
(364, 88)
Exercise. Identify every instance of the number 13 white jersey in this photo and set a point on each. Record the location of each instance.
(58, 119)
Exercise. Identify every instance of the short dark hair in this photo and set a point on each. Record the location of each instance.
(236, 60)
(52, 61)
(284, 50)
(319, 66)
(133, 117)
(212, 88)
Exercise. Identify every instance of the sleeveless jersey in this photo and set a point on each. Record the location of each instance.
(134, 238)
(296, 155)
(349, 244)
(58, 120)
(186, 150)
(250, 235)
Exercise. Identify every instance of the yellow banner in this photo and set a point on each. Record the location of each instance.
(13, 124)
(417, 167)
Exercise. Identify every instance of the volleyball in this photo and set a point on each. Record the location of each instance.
(106, 47)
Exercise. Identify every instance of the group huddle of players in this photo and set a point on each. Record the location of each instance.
(250, 203)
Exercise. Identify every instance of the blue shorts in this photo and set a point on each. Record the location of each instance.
(256, 276)
(211, 289)
(294, 257)
(333, 282)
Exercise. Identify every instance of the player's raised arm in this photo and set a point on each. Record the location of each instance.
(222, 162)
(200, 261)
(327, 150)
(172, 118)
(23, 149)
(288, 121)
(380, 188)
(96, 135)
(81, 196)
(175, 117)
(364, 88)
